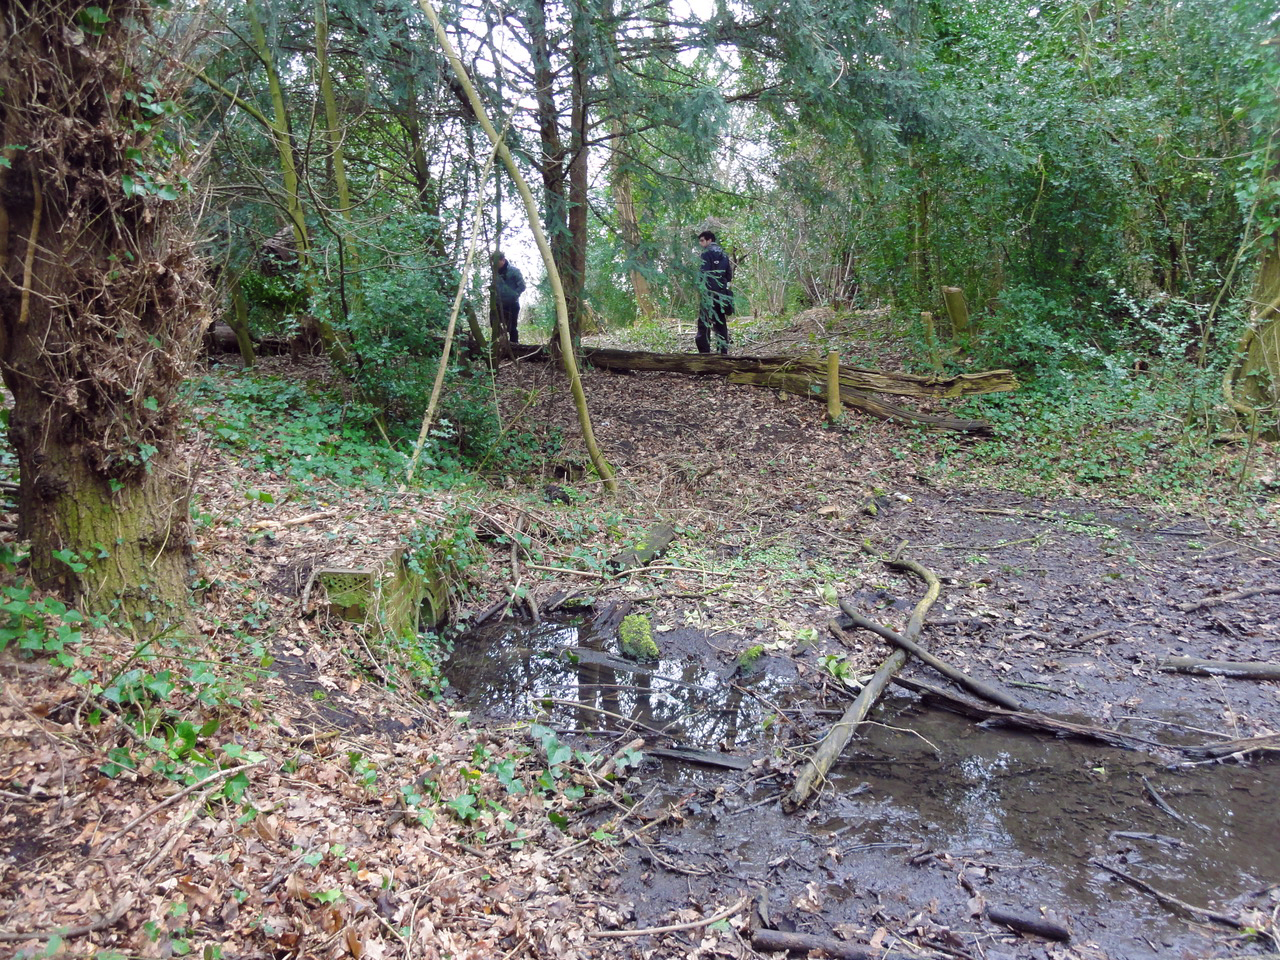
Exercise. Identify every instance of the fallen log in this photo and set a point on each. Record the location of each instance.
(807, 377)
(705, 758)
(1038, 926)
(872, 406)
(856, 378)
(776, 941)
(815, 769)
(978, 687)
(1241, 670)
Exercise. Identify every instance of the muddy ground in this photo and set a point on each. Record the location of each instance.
(928, 820)
(1070, 605)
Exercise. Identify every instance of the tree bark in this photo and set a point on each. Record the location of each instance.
(98, 331)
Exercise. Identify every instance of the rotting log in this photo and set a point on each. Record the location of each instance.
(777, 941)
(654, 544)
(857, 378)
(704, 758)
(978, 687)
(1241, 670)
(1038, 926)
(828, 751)
(802, 385)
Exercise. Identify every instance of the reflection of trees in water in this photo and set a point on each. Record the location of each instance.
(511, 672)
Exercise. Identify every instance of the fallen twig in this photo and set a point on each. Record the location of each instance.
(1202, 913)
(1161, 802)
(185, 792)
(1221, 598)
(1242, 670)
(108, 919)
(675, 927)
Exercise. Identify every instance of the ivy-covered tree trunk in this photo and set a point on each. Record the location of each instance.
(102, 306)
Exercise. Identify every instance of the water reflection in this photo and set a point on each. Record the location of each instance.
(576, 681)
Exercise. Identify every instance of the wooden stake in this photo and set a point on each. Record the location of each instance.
(834, 409)
(957, 310)
(931, 340)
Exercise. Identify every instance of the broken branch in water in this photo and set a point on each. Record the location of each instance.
(1043, 723)
(828, 751)
(1200, 913)
(978, 687)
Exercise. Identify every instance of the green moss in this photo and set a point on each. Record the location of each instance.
(750, 657)
(635, 634)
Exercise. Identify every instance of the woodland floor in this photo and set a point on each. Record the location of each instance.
(1070, 603)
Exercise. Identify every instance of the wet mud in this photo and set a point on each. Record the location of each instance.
(929, 818)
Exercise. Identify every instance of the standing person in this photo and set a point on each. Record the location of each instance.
(509, 285)
(714, 275)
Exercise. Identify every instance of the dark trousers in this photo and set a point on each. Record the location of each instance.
(509, 310)
(712, 322)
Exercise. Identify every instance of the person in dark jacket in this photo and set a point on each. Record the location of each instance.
(714, 276)
(509, 284)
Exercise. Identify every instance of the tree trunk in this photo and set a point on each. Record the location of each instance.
(99, 329)
(238, 320)
(629, 224)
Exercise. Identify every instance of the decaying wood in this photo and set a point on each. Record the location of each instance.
(1200, 913)
(1038, 926)
(805, 386)
(957, 310)
(856, 378)
(1042, 723)
(807, 376)
(1242, 670)
(776, 941)
(828, 751)
(1235, 748)
(978, 687)
(706, 758)
(655, 543)
(1228, 597)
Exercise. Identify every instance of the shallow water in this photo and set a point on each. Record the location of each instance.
(920, 797)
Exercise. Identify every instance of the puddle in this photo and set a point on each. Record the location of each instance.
(578, 683)
(919, 798)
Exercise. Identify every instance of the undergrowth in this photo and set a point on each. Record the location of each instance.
(1104, 433)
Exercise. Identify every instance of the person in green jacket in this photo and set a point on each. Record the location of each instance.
(509, 284)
